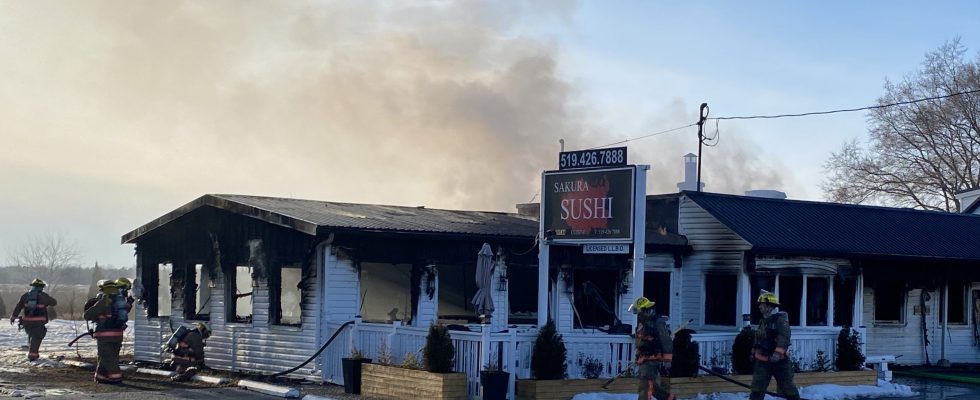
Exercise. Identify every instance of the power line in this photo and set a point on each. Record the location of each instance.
(643, 137)
(851, 109)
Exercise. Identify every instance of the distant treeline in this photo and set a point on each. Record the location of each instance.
(66, 276)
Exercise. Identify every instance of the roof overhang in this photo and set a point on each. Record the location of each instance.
(227, 205)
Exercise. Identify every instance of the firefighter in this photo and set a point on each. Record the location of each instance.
(654, 351)
(110, 312)
(771, 350)
(125, 286)
(34, 304)
(189, 351)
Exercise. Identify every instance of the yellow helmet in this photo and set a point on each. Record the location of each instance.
(124, 283)
(768, 297)
(38, 282)
(108, 286)
(641, 304)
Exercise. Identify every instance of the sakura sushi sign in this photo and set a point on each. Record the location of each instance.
(594, 205)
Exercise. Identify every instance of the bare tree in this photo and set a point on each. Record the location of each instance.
(49, 256)
(919, 154)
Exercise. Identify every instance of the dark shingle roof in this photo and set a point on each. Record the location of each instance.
(816, 228)
(311, 215)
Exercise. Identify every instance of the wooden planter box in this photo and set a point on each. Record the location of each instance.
(402, 383)
(682, 387)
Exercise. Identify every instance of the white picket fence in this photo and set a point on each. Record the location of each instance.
(475, 349)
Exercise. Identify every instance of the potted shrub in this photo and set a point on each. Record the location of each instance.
(687, 356)
(849, 357)
(352, 371)
(494, 382)
(548, 365)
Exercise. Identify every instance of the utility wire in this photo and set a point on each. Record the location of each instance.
(643, 137)
(851, 109)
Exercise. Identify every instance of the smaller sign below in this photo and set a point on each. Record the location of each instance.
(606, 248)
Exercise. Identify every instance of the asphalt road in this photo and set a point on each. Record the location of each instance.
(929, 389)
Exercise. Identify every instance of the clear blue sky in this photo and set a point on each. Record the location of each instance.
(116, 112)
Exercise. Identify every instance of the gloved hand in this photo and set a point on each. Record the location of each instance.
(776, 357)
(12, 320)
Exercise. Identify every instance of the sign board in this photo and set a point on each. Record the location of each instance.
(596, 158)
(587, 206)
(608, 248)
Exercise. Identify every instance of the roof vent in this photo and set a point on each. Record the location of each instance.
(766, 193)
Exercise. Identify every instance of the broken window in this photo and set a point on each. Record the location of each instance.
(957, 304)
(238, 286)
(163, 290)
(522, 294)
(817, 290)
(844, 288)
(197, 300)
(720, 292)
(457, 286)
(791, 297)
(889, 301)
(386, 292)
(595, 298)
(287, 296)
(656, 287)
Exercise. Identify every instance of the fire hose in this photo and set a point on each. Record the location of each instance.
(723, 377)
(322, 348)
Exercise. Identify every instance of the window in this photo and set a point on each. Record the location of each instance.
(386, 292)
(239, 291)
(522, 294)
(889, 302)
(656, 287)
(720, 306)
(287, 298)
(595, 294)
(957, 304)
(164, 308)
(791, 297)
(817, 289)
(197, 299)
(844, 289)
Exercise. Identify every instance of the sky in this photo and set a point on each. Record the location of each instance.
(113, 113)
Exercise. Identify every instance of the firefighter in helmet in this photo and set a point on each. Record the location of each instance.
(771, 350)
(189, 350)
(654, 351)
(110, 312)
(34, 304)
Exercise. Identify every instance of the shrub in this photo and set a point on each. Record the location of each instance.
(742, 351)
(591, 367)
(849, 357)
(411, 361)
(687, 356)
(821, 363)
(548, 356)
(439, 351)
(384, 355)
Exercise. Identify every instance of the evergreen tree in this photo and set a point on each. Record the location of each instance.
(548, 359)
(742, 351)
(849, 357)
(687, 355)
(439, 351)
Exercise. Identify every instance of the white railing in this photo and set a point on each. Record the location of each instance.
(512, 348)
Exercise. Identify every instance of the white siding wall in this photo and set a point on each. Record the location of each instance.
(149, 334)
(565, 321)
(716, 248)
(342, 294)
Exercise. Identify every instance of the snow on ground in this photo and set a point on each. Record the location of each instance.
(13, 345)
(815, 392)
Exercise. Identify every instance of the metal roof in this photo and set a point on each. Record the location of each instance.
(816, 228)
(311, 216)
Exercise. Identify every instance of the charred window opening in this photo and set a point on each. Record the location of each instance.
(386, 292)
(957, 304)
(791, 297)
(817, 301)
(595, 297)
(719, 305)
(844, 289)
(197, 301)
(889, 301)
(522, 294)
(238, 286)
(287, 296)
(656, 287)
(457, 286)
(163, 306)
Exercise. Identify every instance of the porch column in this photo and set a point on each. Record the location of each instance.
(857, 319)
(744, 296)
(803, 296)
(544, 250)
(830, 301)
(639, 237)
(499, 291)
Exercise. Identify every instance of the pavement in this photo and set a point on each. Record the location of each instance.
(931, 389)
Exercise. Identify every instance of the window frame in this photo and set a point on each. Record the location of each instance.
(275, 295)
(965, 304)
(903, 306)
(734, 304)
(231, 296)
(192, 289)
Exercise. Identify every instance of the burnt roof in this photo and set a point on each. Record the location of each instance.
(817, 228)
(313, 217)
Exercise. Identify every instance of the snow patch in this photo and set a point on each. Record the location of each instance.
(54, 348)
(815, 392)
